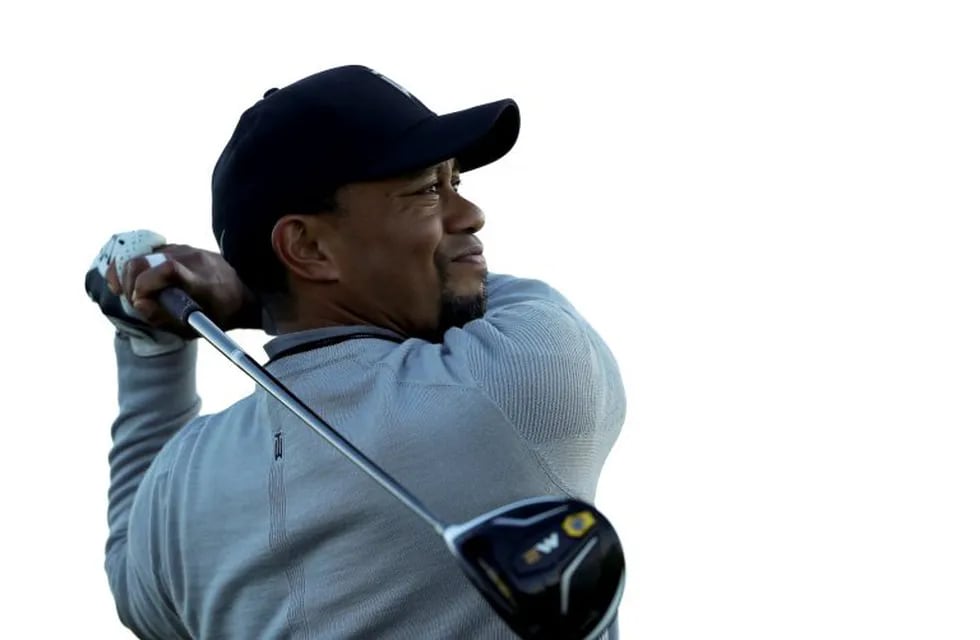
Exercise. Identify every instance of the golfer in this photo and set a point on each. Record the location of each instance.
(344, 234)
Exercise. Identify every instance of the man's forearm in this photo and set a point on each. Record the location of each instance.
(505, 290)
(157, 396)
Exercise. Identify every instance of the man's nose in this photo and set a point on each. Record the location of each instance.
(463, 216)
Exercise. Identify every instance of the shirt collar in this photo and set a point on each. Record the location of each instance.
(291, 340)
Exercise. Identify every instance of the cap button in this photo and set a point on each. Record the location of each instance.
(270, 92)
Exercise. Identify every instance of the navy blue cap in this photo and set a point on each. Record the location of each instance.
(297, 145)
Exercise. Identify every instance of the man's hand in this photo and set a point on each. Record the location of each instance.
(121, 281)
(203, 275)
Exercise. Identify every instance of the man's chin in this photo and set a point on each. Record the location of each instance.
(464, 286)
(457, 308)
(466, 296)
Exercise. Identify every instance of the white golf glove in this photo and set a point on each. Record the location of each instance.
(145, 340)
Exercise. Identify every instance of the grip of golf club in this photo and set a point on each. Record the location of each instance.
(178, 304)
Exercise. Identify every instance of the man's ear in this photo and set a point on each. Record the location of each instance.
(302, 244)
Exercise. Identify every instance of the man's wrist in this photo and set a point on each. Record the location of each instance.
(145, 342)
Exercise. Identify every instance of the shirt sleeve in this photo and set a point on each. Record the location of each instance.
(542, 363)
(157, 396)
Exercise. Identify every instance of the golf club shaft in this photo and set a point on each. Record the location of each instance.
(181, 306)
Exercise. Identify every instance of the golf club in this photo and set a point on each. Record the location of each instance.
(550, 567)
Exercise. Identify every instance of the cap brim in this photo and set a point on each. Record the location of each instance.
(475, 137)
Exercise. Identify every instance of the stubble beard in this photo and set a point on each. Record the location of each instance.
(456, 310)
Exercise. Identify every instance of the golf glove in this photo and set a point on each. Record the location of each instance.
(145, 340)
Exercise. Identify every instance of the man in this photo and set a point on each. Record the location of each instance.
(343, 233)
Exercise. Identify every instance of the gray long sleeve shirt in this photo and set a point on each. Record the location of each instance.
(246, 524)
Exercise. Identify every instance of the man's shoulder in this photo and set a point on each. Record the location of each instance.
(210, 431)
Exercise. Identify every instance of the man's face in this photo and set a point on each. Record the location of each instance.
(407, 252)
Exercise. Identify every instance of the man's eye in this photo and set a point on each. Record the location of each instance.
(435, 187)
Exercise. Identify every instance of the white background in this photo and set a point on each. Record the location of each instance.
(769, 209)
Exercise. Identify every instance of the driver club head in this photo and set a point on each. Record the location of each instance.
(550, 567)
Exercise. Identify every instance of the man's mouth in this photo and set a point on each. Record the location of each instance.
(473, 255)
